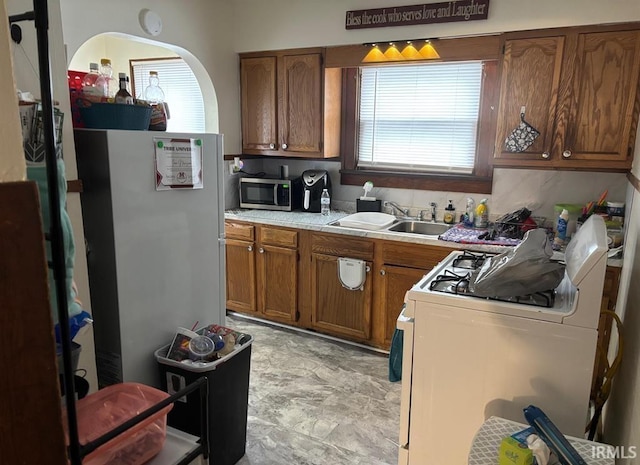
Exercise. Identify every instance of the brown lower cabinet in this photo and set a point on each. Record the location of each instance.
(262, 271)
(335, 309)
(291, 276)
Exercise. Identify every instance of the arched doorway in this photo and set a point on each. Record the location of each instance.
(122, 48)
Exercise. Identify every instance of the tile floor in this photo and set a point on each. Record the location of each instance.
(313, 401)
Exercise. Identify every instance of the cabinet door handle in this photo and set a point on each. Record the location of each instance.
(566, 154)
(250, 248)
(261, 250)
(284, 146)
(382, 272)
(545, 155)
(272, 146)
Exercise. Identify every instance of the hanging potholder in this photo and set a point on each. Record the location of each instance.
(521, 137)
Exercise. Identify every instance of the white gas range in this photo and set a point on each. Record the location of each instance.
(467, 358)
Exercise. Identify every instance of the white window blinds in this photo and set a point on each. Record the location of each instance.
(181, 90)
(419, 117)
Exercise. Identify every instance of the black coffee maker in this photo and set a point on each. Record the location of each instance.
(308, 188)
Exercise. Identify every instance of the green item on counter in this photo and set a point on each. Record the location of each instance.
(514, 452)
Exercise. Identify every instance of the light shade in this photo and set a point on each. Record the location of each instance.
(408, 52)
(428, 52)
(374, 55)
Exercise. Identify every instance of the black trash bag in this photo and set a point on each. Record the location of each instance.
(524, 270)
(511, 225)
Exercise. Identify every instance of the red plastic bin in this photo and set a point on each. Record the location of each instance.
(102, 411)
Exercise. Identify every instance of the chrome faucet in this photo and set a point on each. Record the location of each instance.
(403, 212)
(433, 206)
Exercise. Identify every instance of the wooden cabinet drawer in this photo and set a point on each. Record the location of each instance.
(413, 255)
(338, 245)
(240, 231)
(281, 237)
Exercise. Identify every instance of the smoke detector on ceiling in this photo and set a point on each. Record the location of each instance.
(150, 21)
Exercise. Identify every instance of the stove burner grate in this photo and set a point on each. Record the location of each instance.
(456, 283)
(470, 260)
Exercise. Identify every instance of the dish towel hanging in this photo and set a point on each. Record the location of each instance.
(521, 138)
(352, 273)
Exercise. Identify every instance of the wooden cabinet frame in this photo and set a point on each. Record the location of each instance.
(290, 104)
(582, 86)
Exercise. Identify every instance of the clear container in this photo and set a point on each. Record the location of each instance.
(153, 93)
(92, 89)
(325, 203)
(106, 78)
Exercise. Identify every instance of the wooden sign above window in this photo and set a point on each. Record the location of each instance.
(425, 13)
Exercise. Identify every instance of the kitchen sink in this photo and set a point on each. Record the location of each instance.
(419, 227)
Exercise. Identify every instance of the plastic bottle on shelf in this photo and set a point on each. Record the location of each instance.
(106, 78)
(154, 95)
(91, 89)
(123, 95)
(325, 202)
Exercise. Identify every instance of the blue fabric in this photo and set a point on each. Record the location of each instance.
(395, 356)
(38, 173)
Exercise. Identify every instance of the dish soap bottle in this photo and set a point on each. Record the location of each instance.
(469, 214)
(450, 213)
(561, 230)
(482, 215)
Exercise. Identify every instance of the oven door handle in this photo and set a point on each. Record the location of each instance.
(406, 324)
(275, 195)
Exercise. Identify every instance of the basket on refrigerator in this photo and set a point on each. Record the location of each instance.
(115, 115)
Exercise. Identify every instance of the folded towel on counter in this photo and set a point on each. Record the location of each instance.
(463, 235)
(395, 356)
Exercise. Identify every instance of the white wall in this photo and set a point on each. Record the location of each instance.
(200, 31)
(119, 50)
(12, 164)
(277, 24)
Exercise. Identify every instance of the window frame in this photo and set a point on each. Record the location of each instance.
(479, 181)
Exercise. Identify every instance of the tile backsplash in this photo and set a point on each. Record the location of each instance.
(538, 190)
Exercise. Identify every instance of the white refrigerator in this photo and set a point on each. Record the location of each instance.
(155, 244)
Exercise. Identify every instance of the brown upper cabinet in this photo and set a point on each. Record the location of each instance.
(579, 89)
(290, 104)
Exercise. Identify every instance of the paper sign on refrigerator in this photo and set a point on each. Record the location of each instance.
(178, 163)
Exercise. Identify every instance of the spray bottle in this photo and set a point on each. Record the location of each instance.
(482, 215)
(561, 229)
(469, 214)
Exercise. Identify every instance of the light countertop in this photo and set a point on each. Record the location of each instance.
(320, 223)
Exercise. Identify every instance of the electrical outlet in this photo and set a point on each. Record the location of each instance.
(235, 167)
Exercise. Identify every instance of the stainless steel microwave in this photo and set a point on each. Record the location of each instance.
(265, 194)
